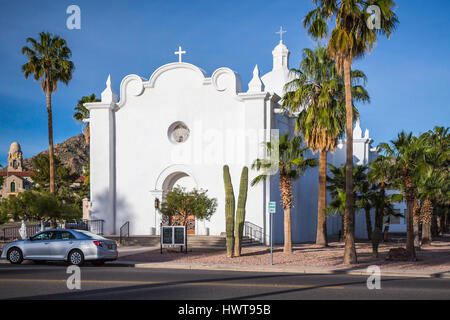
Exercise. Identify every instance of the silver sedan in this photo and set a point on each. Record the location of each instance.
(73, 246)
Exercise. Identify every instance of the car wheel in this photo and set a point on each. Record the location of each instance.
(15, 256)
(76, 257)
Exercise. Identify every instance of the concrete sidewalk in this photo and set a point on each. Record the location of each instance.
(284, 269)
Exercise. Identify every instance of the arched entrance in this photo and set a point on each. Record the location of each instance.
(176, 176)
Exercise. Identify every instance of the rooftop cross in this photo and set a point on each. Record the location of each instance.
(281, 33)
(179, 53)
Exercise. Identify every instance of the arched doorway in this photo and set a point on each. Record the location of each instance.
(183, 180)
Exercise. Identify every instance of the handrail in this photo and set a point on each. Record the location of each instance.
(124, 230)
(253, 232)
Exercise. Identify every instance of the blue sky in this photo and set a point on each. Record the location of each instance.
(408, 75)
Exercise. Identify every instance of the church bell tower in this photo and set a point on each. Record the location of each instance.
(15, 158)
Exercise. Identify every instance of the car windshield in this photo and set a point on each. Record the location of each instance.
(90, 234)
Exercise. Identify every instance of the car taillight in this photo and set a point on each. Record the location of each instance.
(98, 244)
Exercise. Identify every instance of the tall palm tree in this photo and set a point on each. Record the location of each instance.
(317, 95)
(351, 38)
(406, 155)
(48, 61)
(291, 164)
(82, 113)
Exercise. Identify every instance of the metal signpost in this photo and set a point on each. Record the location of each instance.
(272, 210)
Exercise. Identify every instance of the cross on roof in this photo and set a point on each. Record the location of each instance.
(281, 33)
(179, 53)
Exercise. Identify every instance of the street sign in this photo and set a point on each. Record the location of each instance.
(272, 206)
(272, 210)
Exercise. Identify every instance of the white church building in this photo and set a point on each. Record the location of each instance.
(180, 127)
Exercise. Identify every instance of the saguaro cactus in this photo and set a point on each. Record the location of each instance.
(229, 210)
(240, 212)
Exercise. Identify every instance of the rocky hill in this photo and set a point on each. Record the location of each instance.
(73, 153)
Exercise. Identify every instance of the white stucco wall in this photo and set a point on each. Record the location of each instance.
(133, 161)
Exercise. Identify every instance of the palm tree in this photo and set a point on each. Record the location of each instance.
(291, 164)
(351, 38)
(428, 187)
(82, 113)
(337, 206)
(366, 201)
(336, 186)
(48, 61)
(438, 157)
(406, 156)
(317, 95)
(381, 177)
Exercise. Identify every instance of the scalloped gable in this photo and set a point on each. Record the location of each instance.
(180, 76)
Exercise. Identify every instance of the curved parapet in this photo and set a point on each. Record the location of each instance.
(224, 79)
(130, 85)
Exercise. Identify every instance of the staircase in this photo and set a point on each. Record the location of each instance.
(218, 242)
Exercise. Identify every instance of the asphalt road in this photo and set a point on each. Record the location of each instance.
(49, 281)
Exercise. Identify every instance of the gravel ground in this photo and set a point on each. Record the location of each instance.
(434, 258)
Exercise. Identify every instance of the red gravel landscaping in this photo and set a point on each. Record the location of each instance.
(435, 258)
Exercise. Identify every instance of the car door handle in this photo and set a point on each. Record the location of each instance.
(46, 242)
(70, 242)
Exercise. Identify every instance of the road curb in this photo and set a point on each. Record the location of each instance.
(215, 267)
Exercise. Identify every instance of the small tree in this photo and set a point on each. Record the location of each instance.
(292, 163)
(64, 178)
(180, 204)
(32, 204)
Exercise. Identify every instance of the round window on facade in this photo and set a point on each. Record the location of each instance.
(178, 132)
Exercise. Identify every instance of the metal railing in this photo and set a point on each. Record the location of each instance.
(124, 231)
(94, 226)
(253, 232)
(12, 233)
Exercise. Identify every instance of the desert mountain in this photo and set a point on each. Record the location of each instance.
(73, 153)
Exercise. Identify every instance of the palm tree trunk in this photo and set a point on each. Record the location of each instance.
(434, 226)
(416, 222)
(376, 237)
(286, 196)
(440, 226)
(350, 250)
(386, 229)
(321, 236)
(368, 224)
(445, 221)
(427, 215)
(409, 195)
(51, 154)
(87, 134)
(342, 234)
(287, 231)
(410, 229)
